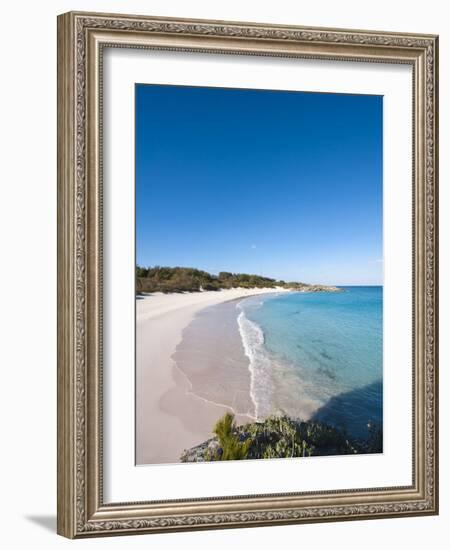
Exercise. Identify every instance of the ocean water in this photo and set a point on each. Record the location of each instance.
(317, 355)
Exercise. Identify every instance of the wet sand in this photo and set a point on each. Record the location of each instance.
(176, 407)
(212, 357)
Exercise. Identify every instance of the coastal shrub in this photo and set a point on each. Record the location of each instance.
(231, 447)
(280, 436)
(211, 286)
(375, 440)
(189, 279)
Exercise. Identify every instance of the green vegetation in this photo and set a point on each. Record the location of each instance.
(188, 279)
(231, 446)
(279, 437)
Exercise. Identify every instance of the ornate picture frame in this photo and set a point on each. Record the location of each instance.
(82, 38)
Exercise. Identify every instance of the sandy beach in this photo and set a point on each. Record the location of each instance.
(170, 416)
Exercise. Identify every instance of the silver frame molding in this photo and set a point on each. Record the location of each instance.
(81, 39)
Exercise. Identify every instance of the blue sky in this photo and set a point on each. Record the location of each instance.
(282, 184)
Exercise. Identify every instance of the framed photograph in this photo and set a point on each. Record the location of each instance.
(247, 276)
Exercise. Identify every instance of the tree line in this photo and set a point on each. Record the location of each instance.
(189, 279)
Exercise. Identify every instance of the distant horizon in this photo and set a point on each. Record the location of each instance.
(286, 185)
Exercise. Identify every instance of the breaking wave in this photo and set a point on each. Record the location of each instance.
(261, 387)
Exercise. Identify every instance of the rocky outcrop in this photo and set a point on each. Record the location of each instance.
(304, 287)
(285, 437)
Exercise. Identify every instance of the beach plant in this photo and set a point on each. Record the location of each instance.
(231, 446)
(280, 436)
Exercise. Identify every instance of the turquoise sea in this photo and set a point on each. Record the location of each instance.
(317, 355)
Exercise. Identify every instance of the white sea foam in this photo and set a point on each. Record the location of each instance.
(261, 388)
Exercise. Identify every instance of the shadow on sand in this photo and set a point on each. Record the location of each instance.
(354, 410)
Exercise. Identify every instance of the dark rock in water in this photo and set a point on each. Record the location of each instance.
(327, 372)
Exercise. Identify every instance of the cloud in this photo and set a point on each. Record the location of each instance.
(253, 247)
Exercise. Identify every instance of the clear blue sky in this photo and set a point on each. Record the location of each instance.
(282, 184)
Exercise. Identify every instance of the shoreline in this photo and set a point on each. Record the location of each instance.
(170, 416)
